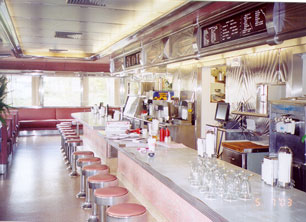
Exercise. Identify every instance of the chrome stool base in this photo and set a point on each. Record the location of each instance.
(81, 195)
(93, 219)
(86, 205)
(74, 174)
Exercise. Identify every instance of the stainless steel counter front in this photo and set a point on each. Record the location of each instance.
(171, 167)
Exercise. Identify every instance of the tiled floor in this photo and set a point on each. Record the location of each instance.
(37, 187)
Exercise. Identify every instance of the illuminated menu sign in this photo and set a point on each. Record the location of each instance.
(241, 25)
(132, 60)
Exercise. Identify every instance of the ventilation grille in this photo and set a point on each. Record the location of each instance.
(87, 2)
(58, 50)
(68, 35)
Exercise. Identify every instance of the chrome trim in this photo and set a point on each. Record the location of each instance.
(41, 91)
(38, 133)
(82, 90)
(198, 104)
(165, 20)
(96, 185)
(8, 28)
(88, 173)
(3, 168)
(110, 201)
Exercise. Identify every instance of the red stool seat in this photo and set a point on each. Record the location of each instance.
(89, 159)
(100, 167)
(64, 128)
(101, 178)
(74, 141)
(111, 192)
(69, 133)
(83, 153)
(72, 136)
(126, 210)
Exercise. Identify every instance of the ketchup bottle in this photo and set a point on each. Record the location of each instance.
(167, 132)
(162, 135)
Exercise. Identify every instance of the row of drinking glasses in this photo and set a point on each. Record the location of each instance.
(215, 181)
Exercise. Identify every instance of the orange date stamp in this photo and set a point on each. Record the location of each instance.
(281, 202)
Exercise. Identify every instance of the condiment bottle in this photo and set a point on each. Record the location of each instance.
(162, 134)
(167, 135)
(167, 132)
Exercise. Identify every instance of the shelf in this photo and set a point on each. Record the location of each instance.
(250, 114)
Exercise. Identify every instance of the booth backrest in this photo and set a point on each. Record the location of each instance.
(37, 113)
(65, 113)
(46, 118)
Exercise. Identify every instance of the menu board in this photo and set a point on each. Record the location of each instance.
(243, 24)
(132, 60)
(253, 21)
(211, 35)
(230, 29)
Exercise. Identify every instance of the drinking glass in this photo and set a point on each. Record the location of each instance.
(220, 178)
(211, 183)
(230, 194)
(245, 191)
(195, 173)
(205, 181)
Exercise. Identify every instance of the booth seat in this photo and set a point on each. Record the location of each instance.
(46, 118)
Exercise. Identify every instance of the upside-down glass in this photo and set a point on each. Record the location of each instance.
(230, 193)
(211, 182)
(245, 192)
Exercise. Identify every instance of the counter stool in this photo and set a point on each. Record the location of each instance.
(59, 127)
(71, 147)
(126, 212)
(64, 148)
(81, 162)
(63, 124)
(100, 181)
(62, 130)
(62, 139)
(68, 137)
(88, 171)
(63, 127)
(79, 155)
(105, 197)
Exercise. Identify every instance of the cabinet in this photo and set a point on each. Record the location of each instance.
(244, 154)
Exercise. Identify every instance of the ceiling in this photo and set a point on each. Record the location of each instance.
(54, 28)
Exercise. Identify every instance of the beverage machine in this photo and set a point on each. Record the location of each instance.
(287, 127)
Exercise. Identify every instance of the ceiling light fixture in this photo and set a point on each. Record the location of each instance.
(87, 2)
(58, 50)
(68, 35)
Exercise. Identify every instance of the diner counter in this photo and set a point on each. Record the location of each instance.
(171, 166)
(92, 121)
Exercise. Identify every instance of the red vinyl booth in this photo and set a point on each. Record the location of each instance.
(46, 118)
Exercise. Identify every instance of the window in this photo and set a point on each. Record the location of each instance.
(19, 90)
(62, 91)
(97, 90)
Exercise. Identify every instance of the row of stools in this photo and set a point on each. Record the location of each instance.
(100, 189)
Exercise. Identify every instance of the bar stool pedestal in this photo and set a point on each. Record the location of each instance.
(91, 170)
(105, 197)
(81, 163)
